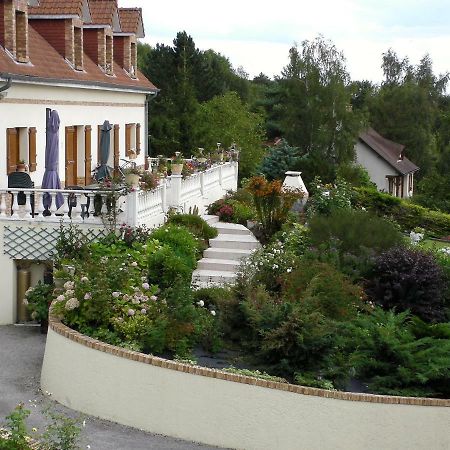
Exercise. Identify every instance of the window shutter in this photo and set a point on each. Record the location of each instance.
(87, 154)
(128, 127)
(12, 149)
(116, 147)
(32, 149)
(138, 138)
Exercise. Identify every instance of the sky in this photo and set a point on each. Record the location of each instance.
(257, 34)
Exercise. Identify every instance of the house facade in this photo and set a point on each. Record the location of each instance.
(77, 57)
(386, 164)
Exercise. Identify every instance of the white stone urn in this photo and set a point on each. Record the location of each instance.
(294, 181)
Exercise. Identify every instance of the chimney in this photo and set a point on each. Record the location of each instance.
(14, 28)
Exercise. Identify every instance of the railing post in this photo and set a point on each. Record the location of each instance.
(220, 178)
(175, 191)
(132, 208)
(164, 196)
(236, 174)
(202, 183)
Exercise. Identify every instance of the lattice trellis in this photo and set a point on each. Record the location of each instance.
(36, 244)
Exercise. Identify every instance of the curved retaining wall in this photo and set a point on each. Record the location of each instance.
(229, 410)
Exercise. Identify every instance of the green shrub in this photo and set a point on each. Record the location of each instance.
(278, 160)
(353, 231)
(409, 279)
(406, 214)
(325, 198)
(232, 210)
(383, 351)
(355, 175)
(195, 224)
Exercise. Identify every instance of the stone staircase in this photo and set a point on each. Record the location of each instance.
(221, 260)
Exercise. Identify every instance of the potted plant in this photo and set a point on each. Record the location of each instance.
(149, 181)
(177, 163)
(200, 156)
(132, 176)
(21, 166)
(60, 277)
(38, 301)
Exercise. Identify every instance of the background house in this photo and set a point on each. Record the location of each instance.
(386, 164)
(78, 57)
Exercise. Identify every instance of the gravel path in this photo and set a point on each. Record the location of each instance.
(21, 354)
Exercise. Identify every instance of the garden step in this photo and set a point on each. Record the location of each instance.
(212, 276)
(231, 228)
(226, 253)
(226, 265)
(234, 241)
(210, 219)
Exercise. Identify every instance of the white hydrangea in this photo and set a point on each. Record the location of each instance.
(72, 304)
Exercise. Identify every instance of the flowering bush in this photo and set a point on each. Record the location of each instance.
(326, 197)
(38, 300)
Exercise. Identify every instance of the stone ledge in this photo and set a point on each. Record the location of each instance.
(58, 327)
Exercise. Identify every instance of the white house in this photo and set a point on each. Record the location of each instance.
(79, 58)
(386, 164)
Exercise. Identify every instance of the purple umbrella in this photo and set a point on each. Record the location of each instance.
(51, 178)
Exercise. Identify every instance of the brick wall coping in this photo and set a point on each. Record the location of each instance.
(58, 327)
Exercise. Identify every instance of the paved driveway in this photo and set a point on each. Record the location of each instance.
(21, 353)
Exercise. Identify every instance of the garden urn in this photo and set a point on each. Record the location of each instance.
(294, 181)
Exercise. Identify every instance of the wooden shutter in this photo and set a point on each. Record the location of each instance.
(87, 154)
(138, 138)
(32, 149)
(12, 149)
(128, 128)
(71, 136)
(116, 148)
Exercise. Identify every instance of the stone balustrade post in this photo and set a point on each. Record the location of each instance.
(174, 200)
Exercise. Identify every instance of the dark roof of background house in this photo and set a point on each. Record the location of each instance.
(48, 64)
(390, 151)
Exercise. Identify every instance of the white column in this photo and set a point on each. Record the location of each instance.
(174, 199)
(132, 208)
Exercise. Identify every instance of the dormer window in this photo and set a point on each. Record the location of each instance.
(78, 48)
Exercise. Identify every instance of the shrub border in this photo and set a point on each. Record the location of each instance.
(58, 327)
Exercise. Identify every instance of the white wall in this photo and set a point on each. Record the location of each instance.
(25, 106)
(376, 166)
(229, 414)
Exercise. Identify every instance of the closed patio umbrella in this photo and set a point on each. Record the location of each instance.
(51, 178)
(105, 140)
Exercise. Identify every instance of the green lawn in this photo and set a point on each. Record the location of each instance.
(429, 243)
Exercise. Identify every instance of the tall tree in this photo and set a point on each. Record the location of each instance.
(315, 112)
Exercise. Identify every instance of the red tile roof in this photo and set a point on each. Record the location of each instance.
(48, 64)
(130, 19)
(391, 152)
(57, 7)
(102, 11)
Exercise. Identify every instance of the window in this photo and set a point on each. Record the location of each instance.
(132, 139)
(20, 146)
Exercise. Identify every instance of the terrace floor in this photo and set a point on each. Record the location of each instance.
(21, 353)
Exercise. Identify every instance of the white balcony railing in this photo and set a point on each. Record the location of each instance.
(135, 208)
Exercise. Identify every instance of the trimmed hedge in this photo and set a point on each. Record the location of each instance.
(406, 214)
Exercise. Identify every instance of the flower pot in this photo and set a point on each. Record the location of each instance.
(132, 179)
(59, 282)
(177, 169)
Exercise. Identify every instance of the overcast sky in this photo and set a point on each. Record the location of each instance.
(257, 34)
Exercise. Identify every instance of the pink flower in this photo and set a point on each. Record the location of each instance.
(116, 294)
(143, 311)
(131, 312)
(87, 296)
(145, 286)
(154, 298)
